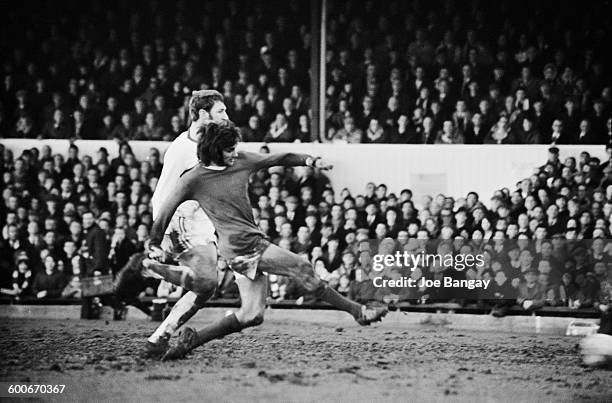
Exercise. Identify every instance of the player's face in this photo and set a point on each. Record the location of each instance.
(218, 112)
(229, 156)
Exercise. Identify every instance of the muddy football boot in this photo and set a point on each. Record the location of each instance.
(371, 313)
(186, 342)
(157, 350)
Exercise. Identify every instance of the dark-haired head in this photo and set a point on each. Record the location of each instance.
(217, 145)
(205, 100)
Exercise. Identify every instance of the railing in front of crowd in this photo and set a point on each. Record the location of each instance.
(474, 309)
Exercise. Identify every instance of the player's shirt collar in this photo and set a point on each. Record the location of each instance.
(192, 136)
(214, 167)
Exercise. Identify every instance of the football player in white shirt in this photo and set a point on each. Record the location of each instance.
(190, 236)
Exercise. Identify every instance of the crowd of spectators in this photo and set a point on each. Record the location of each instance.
(397, 72)
(68, 217)
(546, 242)
(479, 72)
(125, 70)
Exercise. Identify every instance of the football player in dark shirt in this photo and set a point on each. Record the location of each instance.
(220, 185)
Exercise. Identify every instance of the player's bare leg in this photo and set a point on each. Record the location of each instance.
(282, 262)
(253, 294)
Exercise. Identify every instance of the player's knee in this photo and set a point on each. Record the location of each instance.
(204, 286)
(311, 284)
(307, 277)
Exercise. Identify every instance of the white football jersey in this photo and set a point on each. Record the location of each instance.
(189, 218)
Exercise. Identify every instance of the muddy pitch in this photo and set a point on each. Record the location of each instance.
(297, 361)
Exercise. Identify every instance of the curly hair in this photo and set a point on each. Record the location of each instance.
(215, 138)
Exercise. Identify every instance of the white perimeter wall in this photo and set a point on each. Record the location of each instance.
(452, 170)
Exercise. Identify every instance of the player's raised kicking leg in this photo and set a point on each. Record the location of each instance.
(276, 260)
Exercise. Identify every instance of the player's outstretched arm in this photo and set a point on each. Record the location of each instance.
(262, 161)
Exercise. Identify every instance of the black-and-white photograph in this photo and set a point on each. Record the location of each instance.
(306, 200)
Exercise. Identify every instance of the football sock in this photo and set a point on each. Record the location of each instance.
(333, 297)
(182, 311)
(229, 324)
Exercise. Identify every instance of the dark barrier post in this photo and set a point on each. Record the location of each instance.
(317, 76)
